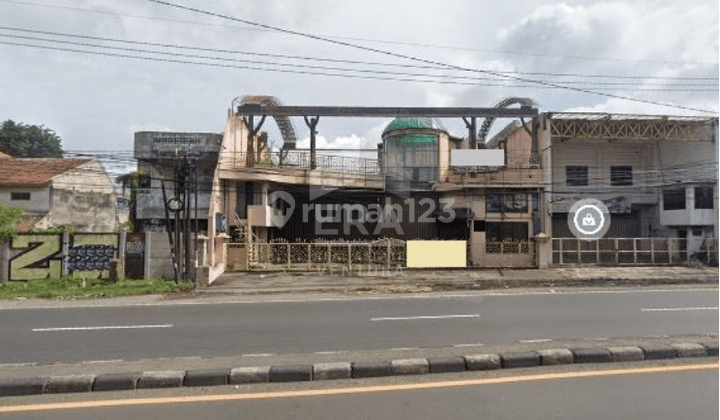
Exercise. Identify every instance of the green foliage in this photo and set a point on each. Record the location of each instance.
(20, 140)
(80, 286)
(8, 217)
(136, 182)
(54, 229)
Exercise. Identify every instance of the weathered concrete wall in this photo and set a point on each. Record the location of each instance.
(599, 156)
(84, 198)
(85, 211)
(157, 153)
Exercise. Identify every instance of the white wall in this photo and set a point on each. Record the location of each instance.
(39, 202)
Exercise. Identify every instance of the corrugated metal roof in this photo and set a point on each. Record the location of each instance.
(35, 171)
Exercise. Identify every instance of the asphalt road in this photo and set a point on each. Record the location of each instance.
(664, 395)
(70, 334)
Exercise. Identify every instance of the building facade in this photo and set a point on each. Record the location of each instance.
(56, 191)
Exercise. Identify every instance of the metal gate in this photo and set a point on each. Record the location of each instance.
(135, 256)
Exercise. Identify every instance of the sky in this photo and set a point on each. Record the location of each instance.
(97, 71)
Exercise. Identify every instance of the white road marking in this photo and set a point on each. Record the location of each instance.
(103, 327)
(405, 318)
(258, 355)
(93, 362)
(538, 340)
(404, 348)
(2, 365)
(595, 338)
(469, 345)
(707, 308)
(327, 352)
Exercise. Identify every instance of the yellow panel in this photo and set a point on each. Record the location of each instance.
(436, 254)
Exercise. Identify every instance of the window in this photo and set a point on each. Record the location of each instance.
(621, 175)
(504, 231)
(674, 199)
(576, 176)
(506, 203)
(20, 196)
(704, 198)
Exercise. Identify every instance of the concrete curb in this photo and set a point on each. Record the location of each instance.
(347, 370)
(161, 379)
(483, 362)
(418, 366)
(72, 383)
(552, 357)
(596, 355)
(371, 369)
(116, 381)
(291, 373)
(520, 360)
(327, 371)
(447, 364)
(206, 377)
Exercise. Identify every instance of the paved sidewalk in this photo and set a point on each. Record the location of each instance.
(402, 280)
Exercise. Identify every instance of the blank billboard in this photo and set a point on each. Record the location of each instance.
(477, 157)
(422, 254)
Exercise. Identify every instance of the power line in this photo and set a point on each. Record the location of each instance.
(372, 40)
(322, 59)
(342, 69)
(425, 61)
(409, 78)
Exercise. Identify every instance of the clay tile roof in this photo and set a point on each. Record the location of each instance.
(26, 223)
(35, 171)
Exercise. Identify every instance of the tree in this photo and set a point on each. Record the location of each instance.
(8, 217)
(21, 140)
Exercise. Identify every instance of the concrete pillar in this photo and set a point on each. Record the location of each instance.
(543, 250)
(202, 250)
(4, 261)
(264, 195)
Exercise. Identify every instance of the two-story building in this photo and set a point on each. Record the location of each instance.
(657, 176)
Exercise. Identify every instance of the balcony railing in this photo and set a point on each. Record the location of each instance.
(301, 160)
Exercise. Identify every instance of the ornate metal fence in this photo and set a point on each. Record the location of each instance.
(284, 255)
(510, 247)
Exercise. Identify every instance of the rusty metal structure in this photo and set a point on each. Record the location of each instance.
(630, 127)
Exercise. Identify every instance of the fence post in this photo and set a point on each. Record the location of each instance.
(309, 252)
(561, 251)
(652, 250)
(388, 255)
(289, 260)
(578, 244)
(65, 241)
(350, 256)
(597, 251)
(617, 252)
(635, 250)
